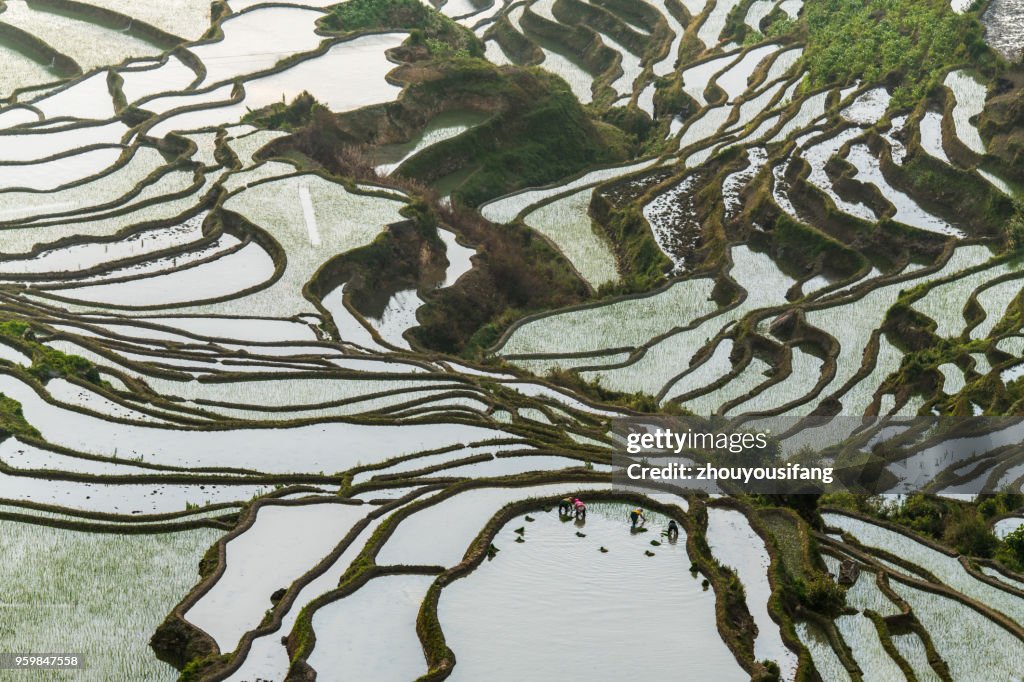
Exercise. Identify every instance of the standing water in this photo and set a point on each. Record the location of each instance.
(558, 607)
(1004, 27)
(735, 544)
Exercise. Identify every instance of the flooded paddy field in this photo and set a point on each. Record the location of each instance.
(312, 313)
(573, 583)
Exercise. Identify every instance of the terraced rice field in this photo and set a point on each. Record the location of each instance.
(567, 223)
(292, 389)
(553, 548)
(970, 101)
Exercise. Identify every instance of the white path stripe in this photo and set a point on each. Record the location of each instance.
(310, 215)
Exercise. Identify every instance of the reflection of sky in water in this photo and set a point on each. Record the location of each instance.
(922, 467)
(557, 582)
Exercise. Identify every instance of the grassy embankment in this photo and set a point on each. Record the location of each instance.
(47, 363)
(962, 526)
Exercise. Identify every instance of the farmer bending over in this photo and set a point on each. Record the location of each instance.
(581, 509)
(636, 515)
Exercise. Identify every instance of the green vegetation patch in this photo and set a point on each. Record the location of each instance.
(429, 27)
(282, 116)
(919, 39)
(962, 526)
(542, 133)
(803, 245)
(516, 273)
(784, 531)
(12, 420)
(47, 363)
(1011, 553)
(408, 254)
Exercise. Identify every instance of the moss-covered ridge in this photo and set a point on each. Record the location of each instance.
(435, 32)
(539, 132)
